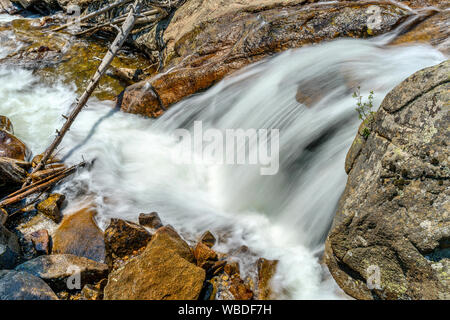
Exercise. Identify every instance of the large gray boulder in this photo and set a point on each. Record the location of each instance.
(390, 238)
(23, 286)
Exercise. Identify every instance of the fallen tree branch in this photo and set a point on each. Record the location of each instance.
(107, 59)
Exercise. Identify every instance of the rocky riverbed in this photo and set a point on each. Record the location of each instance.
(393, 214)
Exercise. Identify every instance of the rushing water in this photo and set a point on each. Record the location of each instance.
(285, 216)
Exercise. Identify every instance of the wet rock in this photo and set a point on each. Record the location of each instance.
(9, 249)
(164, 271)
(205, 256)
(389, 238)
(435, 30)
(208, 239)
(23, 286)
(150, 220)
(231, 268)
(6, 6)
(79, 234)
(266, 271)
(59, 269)
(12, 175)
(122, 238)
(89, 292)
(11, 146)
(127, 75)
(51, 207)
(3, 216)
(208, 40)
(41, 241)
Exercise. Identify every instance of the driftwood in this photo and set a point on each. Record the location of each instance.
(109, 56)
(38, 186)
(93, 14)
(149, 16)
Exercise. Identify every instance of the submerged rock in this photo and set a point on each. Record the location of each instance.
(56, 270)
(164, 271)
(9, 249)
(390, 235)
(23, 286)
(79, 234)
(124, 238)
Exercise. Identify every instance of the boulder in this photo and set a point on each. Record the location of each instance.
(9, 249)
(124, 238)
(23, 286)
(390, 236)
(41, 241)
(51, 206)
(79, 234)
(207, 40)
(150, 220)
(56, 269)
(164, 271)
(266, 271)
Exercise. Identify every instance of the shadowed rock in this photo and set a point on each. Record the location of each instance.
(23, 286)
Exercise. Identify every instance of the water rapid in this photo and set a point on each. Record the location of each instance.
(285, 216)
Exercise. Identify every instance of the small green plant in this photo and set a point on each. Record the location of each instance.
(364, 109)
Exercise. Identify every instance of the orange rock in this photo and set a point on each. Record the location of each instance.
(205, 256)
(79, 234)
(266, 270)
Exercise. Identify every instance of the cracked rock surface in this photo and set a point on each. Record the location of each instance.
(390, 238)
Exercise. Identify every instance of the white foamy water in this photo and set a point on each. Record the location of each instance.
(283, 217)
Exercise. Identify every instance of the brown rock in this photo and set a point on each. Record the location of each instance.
(205, 256)
(208, 239)
(266, 271)
(51, 206)
(434, 30)
(9, 249)
(6, 125)
(23, 286)
(389, 238)
(41, 241)
(164, 271)
(150, 220)
(90, 292)
(79, 234)
(3, 216)
(122, 238)
(232, 267)
(208, 40)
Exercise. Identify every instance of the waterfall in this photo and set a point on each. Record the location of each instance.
(284, 216)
